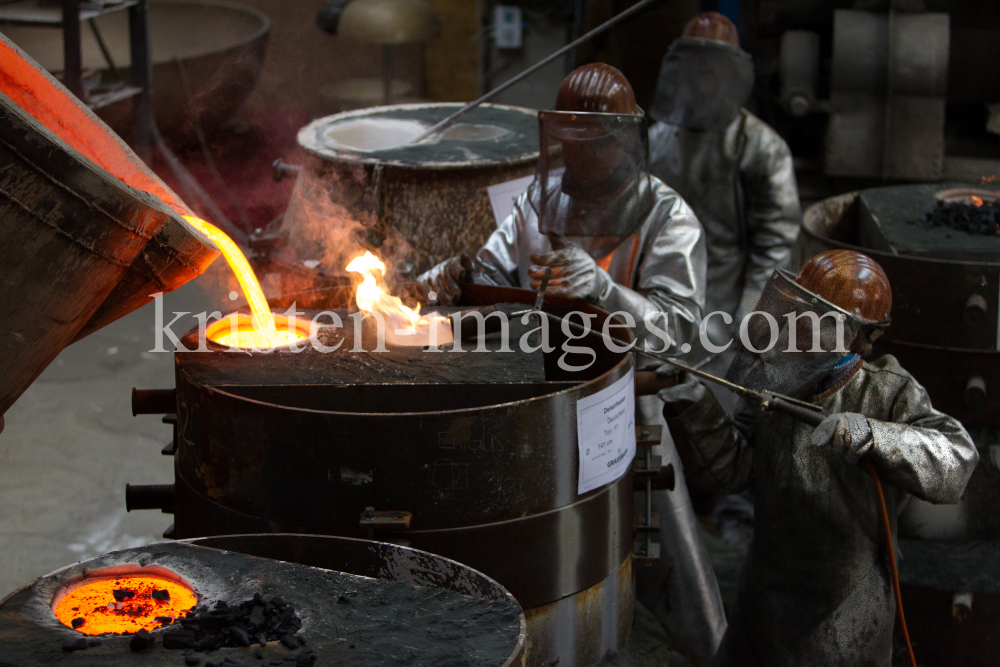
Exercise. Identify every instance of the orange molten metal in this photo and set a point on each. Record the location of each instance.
(261, 331)
(404, 325)
(93, 607)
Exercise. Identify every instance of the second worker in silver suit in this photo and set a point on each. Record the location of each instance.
(618, 238)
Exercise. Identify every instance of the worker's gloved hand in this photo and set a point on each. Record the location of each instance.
(442, 285)
(681, 396)
(575, 275)
(849, 432)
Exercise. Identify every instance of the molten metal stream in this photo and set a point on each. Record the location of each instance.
(123, 605)
(263, 333)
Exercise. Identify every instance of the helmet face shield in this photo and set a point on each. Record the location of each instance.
(605, 171)
(702, 84)
(792, 340)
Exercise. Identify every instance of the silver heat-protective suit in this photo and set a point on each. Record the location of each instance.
(815, 588)
(731, 167)
(647, 245)
(650, 246)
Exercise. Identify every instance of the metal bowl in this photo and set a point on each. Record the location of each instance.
(217, 46)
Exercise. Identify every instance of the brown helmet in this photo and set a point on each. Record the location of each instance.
(714, 26)
(597, 87)
(849, 280)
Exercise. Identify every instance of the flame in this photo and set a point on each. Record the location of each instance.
(371, 296)
(93, 608)
(263, 333)
(404, 325)
(977, 201)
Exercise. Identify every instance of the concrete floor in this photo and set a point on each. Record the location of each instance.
(71, 444)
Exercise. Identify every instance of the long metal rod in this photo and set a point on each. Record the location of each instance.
(767, 400)
(534, 68)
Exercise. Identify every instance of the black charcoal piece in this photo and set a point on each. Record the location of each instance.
(141, 641)
(94, 641)
(257, 616)
(289, 641)
(240, 636)
(78, 644)
(192, 660)
(305, 659)
(123, 594)
(164, 620)
(161, 595)
(261, 639)
(77, 622)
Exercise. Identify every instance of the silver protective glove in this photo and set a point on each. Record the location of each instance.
(677, 399)
(849, 432)
(575, 274)
(442, 284)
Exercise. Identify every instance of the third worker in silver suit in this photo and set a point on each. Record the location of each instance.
(730, 167)
(620, 239)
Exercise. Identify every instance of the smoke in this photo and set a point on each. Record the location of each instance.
(330, 220)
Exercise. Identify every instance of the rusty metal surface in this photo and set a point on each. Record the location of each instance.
(581, 629)
(68, 232)
(435, 198)
(281, 564)
(568, 549)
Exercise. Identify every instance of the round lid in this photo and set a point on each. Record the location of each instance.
(490, 134)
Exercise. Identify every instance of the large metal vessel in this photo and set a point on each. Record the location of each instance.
(474, 457)
(207, 56)
(69, 230)
(434, 193)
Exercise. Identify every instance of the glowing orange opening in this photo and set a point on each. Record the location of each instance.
(123, 604)
(238, 330)
(978, 201)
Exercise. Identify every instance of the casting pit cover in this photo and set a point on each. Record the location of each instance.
(406, 607)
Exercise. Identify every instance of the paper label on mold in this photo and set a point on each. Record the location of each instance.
(605, 426)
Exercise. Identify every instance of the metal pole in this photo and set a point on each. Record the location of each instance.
(642, 4)
(387, 74)
(72, 57)
(142, 77)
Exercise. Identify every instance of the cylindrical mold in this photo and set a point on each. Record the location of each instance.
(435, 192)
(488, 469)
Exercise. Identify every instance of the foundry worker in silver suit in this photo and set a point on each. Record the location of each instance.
(730, 167)
(620, 239)
(816, 588)
(613, 236)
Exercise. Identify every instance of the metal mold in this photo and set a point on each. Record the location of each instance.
(483, 461)
(296, 567)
